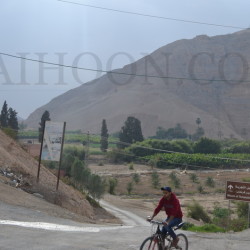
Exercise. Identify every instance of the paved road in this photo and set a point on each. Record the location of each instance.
(25, 229)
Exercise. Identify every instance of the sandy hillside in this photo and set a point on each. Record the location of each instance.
(17, 165)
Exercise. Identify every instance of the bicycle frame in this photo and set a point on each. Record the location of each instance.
(156, 242)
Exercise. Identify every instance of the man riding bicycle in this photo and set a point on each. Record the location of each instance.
(172, 207)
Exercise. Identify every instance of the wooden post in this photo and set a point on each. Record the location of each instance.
(248, 215)
(60, 161)
(40, 156)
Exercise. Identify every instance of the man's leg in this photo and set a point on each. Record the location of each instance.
(168, 228)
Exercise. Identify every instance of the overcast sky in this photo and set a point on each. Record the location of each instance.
(94, 38)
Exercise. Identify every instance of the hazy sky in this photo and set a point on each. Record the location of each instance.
(95, 38)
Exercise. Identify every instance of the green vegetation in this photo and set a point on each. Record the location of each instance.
(207, 228)
(178, 132)
(104, 137)
(197, 212)
(136, 178)
(112, 185)
(207, 146)
(155, 180)
(193, 177)
(8, 121)
(45, 117)
(172, 133)
(210, 182)
(130, 187)
(168, 161)
(175, 181)
(78, 174)
(242, 209)
(200, 189)
(246, 179)
(239, 148)
(131, 166)
(221, 221)
(131, 132)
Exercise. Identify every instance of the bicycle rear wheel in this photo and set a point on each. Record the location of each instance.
(183, 242)
(151, 243)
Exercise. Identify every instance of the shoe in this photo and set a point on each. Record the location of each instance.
(175, 242)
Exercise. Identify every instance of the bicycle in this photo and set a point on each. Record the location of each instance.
(156, 242)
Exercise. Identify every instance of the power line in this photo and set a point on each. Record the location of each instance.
(151, 16)
(119, 73)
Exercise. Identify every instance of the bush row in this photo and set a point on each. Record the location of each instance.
(229, 160)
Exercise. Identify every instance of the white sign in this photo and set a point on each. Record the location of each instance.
(52, 141)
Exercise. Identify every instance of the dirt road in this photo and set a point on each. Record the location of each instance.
(47, 232)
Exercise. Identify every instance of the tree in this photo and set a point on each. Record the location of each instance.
(198, 121)
(45, 117)
(104, 137)
(172, 133)
(131, 131)
(12, 120)
(207, 146)
(4, 115)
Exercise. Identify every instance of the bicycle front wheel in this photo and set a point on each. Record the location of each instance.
(151, 243)
(183, 242)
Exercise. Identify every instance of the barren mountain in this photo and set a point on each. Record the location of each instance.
(205, 77)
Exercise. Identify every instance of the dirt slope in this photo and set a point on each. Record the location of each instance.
(17, 163)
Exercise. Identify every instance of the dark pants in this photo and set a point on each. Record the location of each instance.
(168, 228)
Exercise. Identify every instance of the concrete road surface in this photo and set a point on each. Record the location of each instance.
(24, 229)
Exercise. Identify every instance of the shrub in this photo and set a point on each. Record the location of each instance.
(130, 187)
(242, 209)
(175, 180)
(136, 178)
(75, 152)
(220, 212)
(238, 225)
(193, 178)
(200, 189)
(155, 180)
(112, 185)
(131, 166)
(240, 148)
(197, 212)
(210, 181)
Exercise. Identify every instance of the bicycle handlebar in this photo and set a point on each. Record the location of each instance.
(156, 222)
(161, 223)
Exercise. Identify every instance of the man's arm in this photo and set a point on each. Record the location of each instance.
(157, 210)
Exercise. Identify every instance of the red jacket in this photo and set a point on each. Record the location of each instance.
(172, 206)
